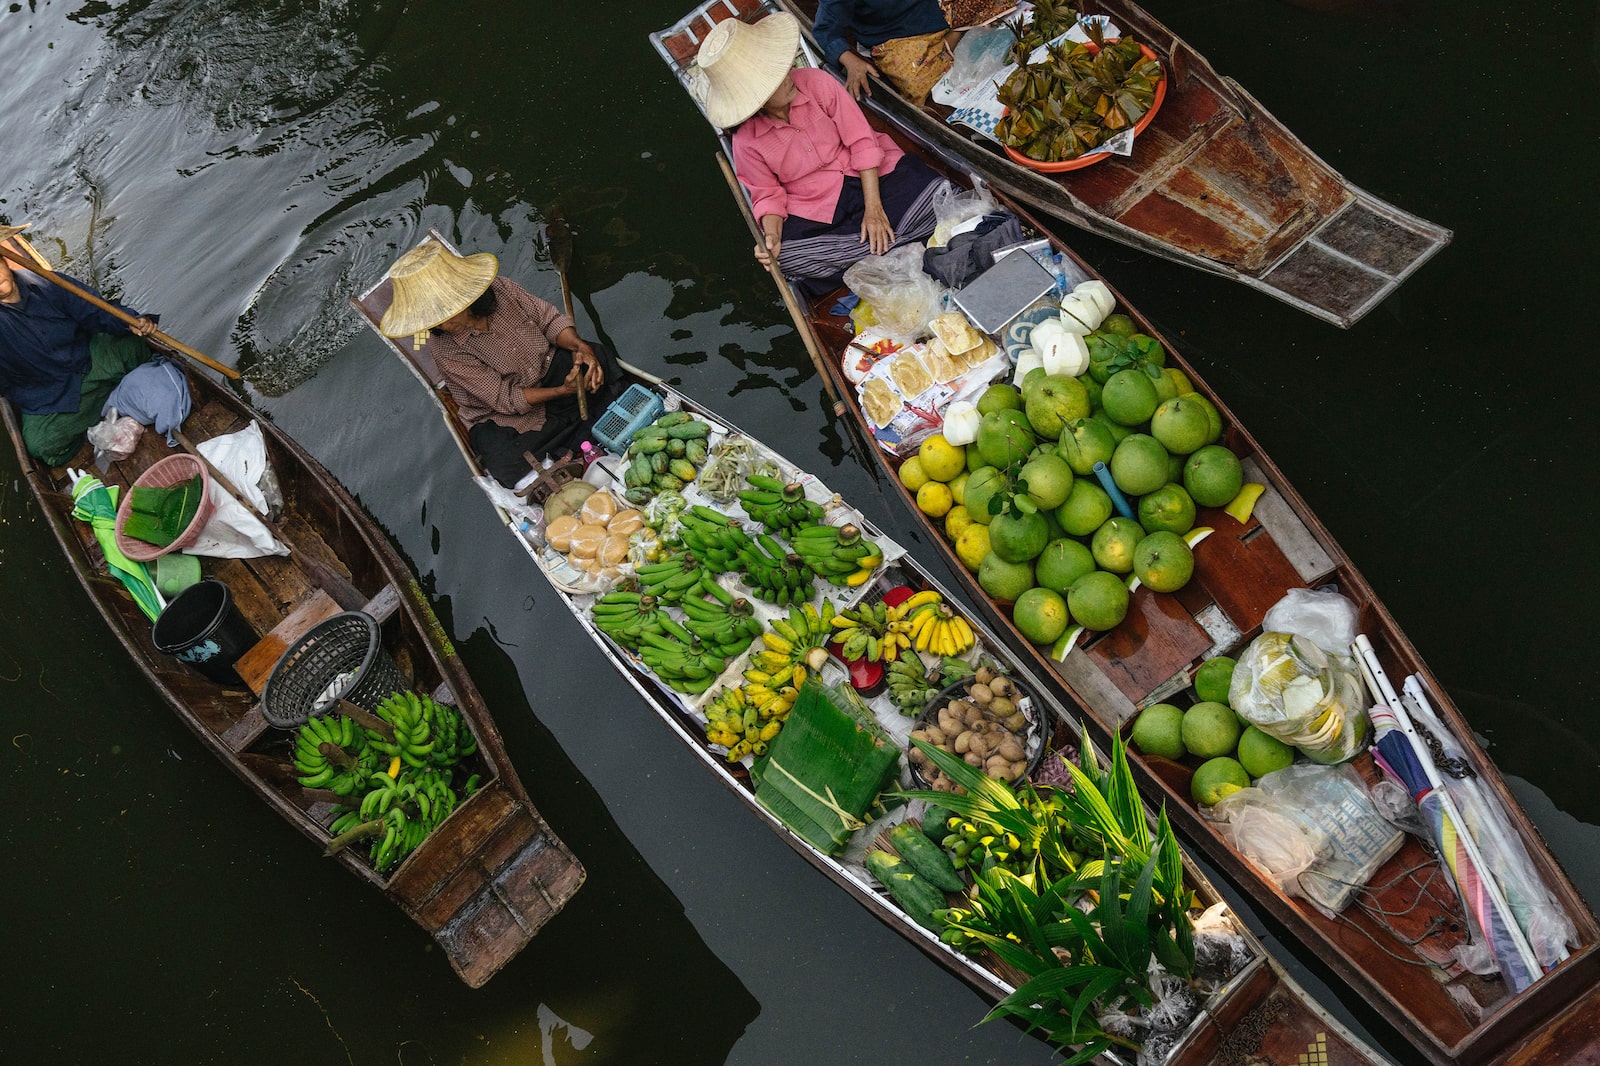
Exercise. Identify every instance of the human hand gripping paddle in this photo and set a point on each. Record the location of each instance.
(37, 267)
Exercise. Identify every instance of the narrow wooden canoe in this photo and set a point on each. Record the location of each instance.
(1260, 1014)
(1215, 182)
(485, 881)
(1396, 952)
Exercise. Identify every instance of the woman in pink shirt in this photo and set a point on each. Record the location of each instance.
(827, 189)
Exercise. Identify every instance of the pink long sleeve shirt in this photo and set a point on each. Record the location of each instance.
(798, 167)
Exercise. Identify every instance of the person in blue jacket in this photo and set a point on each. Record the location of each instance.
(60, 357)
(881, 25)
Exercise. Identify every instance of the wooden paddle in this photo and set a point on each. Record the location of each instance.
(863, 449)
(116, 312)
(560, 238)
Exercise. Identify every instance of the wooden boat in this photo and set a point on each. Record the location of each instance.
(492, 873)
(1260, 1013)
(1215, 182)
(1396, 953)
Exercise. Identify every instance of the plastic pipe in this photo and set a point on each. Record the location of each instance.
(1118, 500)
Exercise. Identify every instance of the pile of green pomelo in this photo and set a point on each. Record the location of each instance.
(1023, 506)
(1233, 752)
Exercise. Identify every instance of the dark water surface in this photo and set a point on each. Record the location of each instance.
(242, 166)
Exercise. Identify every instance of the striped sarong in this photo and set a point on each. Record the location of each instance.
(825, 252)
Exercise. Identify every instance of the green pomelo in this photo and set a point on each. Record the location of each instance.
(1000, 397)
(983, 484)
(1175, 469)
(1114, 542)
(1169, 508)
(1166, 388)
(1180, 380)
(974, 458)
(1163, 562)
(1151, 351)
(1139, 465)
(1180, 425)
(1030, 380)
(1212, 680)
(1213, 476)
(1210, 729)
(1049, 480)
(1086, 509)
(1041, 615)
(1003, 580)
(1085, 442)
(1053, 524)
(1118, 431)
(1159, 731)
(1119, 325)
(1098, 600)
(1053, 402)
(1129, 397)
(1260, 754)
(1092, 389)
(1062, 563)
(1217, 778)
(1004, 437)
(1018, 538)
(1213, 416)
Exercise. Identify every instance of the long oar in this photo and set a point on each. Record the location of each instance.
(560, 237)
(864, 451)
(116, 312)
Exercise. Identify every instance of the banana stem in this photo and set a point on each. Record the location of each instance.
(353, 836)
(336, 755)
(366, 719)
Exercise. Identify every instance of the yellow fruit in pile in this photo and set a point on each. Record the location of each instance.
(958, 487)
(955, 521)
(972, 545)
(912, 475)
(933, 499)
(941, 460)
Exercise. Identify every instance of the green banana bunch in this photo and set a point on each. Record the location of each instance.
(836, 553)
(678, 658)
(862, 631)
(773, 574)
(778, 506)
(626, 616)
(669, 580)
(416, 737)
(408, 807)
(909, 689)
(724, 624)
(331, 753)
(715, 539)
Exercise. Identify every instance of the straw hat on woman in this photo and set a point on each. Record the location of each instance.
(826, 187)
(514, 362)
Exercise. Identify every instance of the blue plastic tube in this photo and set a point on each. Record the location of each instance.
(1118, 500)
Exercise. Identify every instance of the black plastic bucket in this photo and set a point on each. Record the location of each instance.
(203, 628)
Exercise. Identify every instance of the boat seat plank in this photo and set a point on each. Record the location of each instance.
(255, 665)
(1157, 639)
(1243, 570)
(1293, 537)
(1322, 277)
(260, 604)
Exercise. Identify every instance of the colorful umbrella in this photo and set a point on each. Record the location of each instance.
(96, 504)
(1407, 758)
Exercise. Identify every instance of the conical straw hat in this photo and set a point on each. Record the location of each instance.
(432, 284)
(742, 65)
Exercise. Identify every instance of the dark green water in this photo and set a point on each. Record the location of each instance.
(241, 167)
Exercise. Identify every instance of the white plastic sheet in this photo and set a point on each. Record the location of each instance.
(233, 532)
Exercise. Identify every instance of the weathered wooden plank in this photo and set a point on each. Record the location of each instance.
(255, 665)
(1292, 536)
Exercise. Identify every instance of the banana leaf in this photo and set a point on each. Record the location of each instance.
(158, 515)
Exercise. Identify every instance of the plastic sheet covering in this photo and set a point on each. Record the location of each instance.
(903, 297)
(233, 532)
(1309, 698)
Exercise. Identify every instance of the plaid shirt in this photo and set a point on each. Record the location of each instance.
(487, 369)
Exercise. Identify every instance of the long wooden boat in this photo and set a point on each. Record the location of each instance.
(1215, 182)
(1260, 1013)
(1396, 952)
(493, 872)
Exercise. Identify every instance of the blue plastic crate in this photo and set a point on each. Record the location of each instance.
(627, 415)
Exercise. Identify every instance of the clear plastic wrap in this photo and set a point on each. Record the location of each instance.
(903, 297)
(1309, 698)
(1329, 619)
(114, 438)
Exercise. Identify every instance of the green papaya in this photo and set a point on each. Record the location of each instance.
(925, 857)
(676, 447)
(687, 430)
(670, 419)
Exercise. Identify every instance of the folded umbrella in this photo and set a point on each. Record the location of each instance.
(1407, 757)
(96, 504)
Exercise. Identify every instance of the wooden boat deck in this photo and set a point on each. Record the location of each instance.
(493, 873)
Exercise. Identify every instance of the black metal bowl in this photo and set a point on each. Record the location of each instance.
(1028, 702)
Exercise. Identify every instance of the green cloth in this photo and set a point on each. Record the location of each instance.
(56, 438)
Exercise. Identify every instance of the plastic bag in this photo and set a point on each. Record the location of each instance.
(1311, 699)
(114, 438)
(981, 54)
(903, 297)
(1322, 615)
(1327, 808)
(953, 206)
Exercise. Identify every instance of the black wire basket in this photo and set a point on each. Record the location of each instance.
(334, 646)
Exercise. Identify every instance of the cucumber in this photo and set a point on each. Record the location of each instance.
(925, 857)
(915, 896)
(936, 823)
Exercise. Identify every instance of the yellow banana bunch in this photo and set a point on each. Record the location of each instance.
(941, 631)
